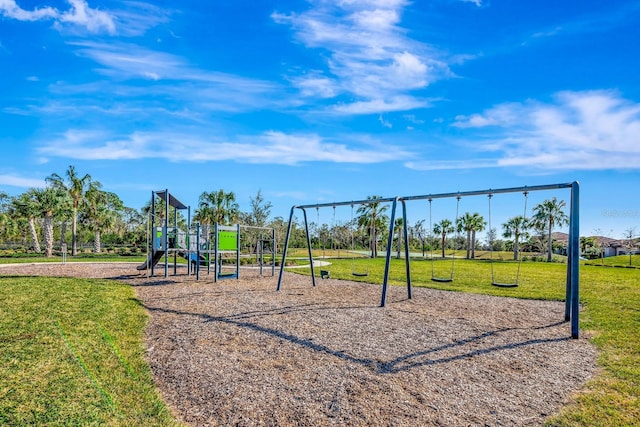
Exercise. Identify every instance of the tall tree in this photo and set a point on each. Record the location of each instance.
(47, 201)
(515, 227)
(25, 207)
(467, 223)
(630, 243)
(260, 211)
(217, 207)
(101, 209)
(443, 228)
(77, 188)
(548, 214)
(370, 217)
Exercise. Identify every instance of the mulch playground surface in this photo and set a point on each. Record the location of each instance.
(237, 352)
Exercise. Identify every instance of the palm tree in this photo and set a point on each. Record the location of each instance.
(443, 228)
(217, 207)
(47, 202)
(471, 223)
(371, 217)
(515, 227)
(101, 209)
(25, 207)
(77, 188)
(548, 214)
(477, 224)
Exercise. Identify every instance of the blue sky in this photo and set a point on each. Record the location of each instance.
(319, 101)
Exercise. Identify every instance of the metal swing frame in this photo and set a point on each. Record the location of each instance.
(572, 288)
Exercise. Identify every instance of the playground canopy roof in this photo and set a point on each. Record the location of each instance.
(172, 200)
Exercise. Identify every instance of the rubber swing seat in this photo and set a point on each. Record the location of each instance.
(505, 285)
(441, 279)
(360, 274)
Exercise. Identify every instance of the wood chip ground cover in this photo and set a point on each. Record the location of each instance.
(237, 352)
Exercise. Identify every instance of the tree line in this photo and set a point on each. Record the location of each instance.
(39, 218)
(371, 227)
(98, 216)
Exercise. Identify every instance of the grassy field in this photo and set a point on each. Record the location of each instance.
(617, 261)
(72, 354)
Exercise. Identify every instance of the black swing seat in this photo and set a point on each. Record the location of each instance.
(505, 285)
(442, 279)
(359, 274)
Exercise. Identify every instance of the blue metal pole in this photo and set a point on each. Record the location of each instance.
(152, 231)
(387, 264)
(273, 252)
(166, 233)
(237, 251)
(284, 250)
(406, 248)
(306, 229)
(216, 266)
(575, 259)
(198, 251)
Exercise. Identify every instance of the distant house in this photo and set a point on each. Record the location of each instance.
(610, 247)
(614, 247)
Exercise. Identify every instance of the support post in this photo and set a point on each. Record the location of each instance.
(574, 255)
(284, 250)
(387, 263)
(407, 257)
(166, 233)
(306, 230)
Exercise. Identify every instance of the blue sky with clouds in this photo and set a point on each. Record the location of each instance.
(319, 101)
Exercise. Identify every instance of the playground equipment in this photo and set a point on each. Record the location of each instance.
(453, 257)
(227, 248)
(259, 243)
(220, 248)
(166, 240)
(515, 283)
(572, 287)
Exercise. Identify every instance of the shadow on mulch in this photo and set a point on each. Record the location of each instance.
(399, 364)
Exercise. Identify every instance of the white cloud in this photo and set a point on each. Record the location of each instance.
(268, 148)
(82, 15)
(476, 2)
(384, 122)
(370, 57)
(591, 130)
(398, 103)
(78, 15)
(411, 118)
(10, 9)
(20, 182)
(139, 73)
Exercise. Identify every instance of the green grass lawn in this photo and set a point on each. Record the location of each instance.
(73, 354)
(617, 261)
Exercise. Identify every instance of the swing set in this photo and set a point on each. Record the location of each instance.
(515, 283)
(453, 255)
(572, 285)
(326, 274)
